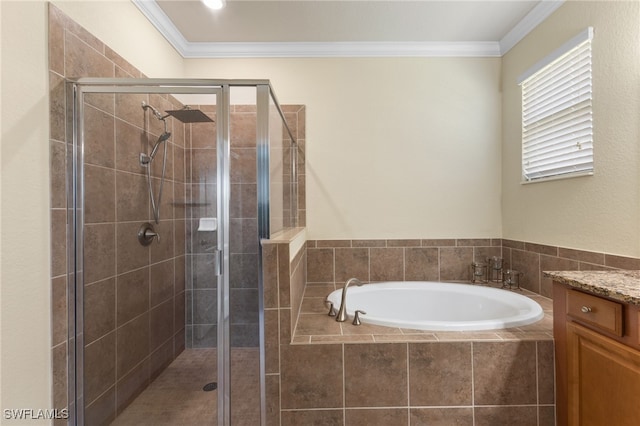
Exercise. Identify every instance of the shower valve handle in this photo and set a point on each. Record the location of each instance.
(151, 235)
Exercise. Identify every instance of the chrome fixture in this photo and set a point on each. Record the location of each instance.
(479, 272)
(342, 312)
(186, 115)
(146, 234)
(511, 278)
(495, 269)
(332, 310)
(356, 317)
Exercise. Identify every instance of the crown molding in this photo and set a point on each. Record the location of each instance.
(193, 50)
(534, 18)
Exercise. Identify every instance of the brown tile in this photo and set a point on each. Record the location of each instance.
(160, 359)
(311, 376)
(546, 415)
(99, 138)
(504, 373)
(133, 295)
(440, 374)
(270, 275)
(365, 338)
(99, 367)
(388, 387)
(453, 336)
(438, 243)
(59, 375)
(243, 129)
(59, 310)
(368, 243)
(421, 264)
(99, 252)
(82, 60)
(581, 255)
(377, 417)
(404, 243)
(284, 276)
(481, 254)
(179, 314)
(621, 262)
(473, 242)
(333, 243)
(549, 263)
(161, 283)
(442, 416)
(314, 305)
(130, 142)
(492, 416)
(180, 277)
(317, 324)
(103, 410)
(163, 249)
(57, 108)
(271, 341)
(312, 418)
(58, 175)
(131, 385)
(128, 107)
(455, 263)
(529, 264)
(349, 329)
(314, 290)
(350, 263)
(132, 197)
(58, 242)
(285, 326)
(179, 164)
(320, 265)
(99, 309)
(131, 254)
(272, 399)
(100, 195)
(56, 39)
(541, 248)
(386, 264)
(133, 344)
(243, 165)
(546, 381)
(518, 245)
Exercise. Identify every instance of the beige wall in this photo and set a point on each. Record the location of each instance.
(600, 212)
(25, 309)
(396, 147)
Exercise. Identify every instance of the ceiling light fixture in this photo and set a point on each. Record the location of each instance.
(214, 4)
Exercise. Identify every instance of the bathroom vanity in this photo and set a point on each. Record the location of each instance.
(596, 328)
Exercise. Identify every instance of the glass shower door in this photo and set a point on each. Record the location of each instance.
(146, 265)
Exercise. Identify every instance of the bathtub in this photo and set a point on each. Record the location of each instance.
(439, 306)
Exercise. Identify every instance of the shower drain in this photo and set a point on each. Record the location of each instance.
(210, 387)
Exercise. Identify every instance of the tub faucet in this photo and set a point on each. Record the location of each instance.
(342, 312)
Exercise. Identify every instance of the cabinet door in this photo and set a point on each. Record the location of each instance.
(604, 380)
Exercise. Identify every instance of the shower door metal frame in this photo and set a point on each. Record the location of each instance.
(75, 202)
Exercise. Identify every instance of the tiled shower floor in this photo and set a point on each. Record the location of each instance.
(176, 397)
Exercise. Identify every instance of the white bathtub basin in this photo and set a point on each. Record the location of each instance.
(439, 306)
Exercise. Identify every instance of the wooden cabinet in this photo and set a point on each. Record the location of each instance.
(597, 342)
(603, 380)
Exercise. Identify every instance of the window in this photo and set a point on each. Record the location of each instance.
(557, 124)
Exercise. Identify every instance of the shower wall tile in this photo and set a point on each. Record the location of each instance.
(133, 295)
(84, 60)
(243, 128)
(100, 194)
(101, 356)
(58, 242)
(130, 142)
(133, 197)
(99, 252)
(117, 307)
(59, 367)
(162, 282)
(99, 138)
(132, 344)
(100, 316)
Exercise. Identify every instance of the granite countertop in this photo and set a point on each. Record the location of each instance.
(622, 285)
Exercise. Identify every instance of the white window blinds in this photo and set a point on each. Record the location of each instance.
(557, 124)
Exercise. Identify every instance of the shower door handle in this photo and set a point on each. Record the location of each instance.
(219, 262)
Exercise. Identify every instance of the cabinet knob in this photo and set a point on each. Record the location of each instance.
(586, 309)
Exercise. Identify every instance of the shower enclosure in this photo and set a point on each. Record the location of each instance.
(172, 185)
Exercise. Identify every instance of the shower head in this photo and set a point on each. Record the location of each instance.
(188, 115)
(163, 137)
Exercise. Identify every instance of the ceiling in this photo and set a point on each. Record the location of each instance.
(312, 28)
